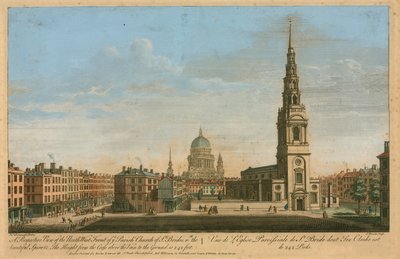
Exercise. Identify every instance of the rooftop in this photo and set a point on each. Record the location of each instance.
(383, 155)
(261, 169)
(136, 172)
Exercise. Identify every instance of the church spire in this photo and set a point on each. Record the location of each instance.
(291, 67)
(200, 132)
(170, 171)
(290, 32)
(170, 156)
(291, 92)
(220, 165)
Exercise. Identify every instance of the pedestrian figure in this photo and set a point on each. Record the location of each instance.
(286, 206)
(209, 211)
(275, 210)
(242, 207)
(270, 208)
(247, 208)
(30, 216)
(205, 208)
(64, 220)
(369, 209)
(215, 209)
(324, 215)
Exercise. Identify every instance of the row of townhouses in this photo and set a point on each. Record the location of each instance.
(342, 183)
(41, 191)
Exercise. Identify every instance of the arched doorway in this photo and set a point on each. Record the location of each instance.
(300, 204)
(299, 198)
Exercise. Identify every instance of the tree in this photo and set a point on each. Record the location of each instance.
(374, 194)
(358, 192)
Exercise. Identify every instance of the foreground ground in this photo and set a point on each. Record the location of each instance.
(215, 223)
(196, 221)
(230, 218)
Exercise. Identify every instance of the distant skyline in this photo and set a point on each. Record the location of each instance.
(101, 87)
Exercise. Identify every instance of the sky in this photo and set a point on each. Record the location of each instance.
(101, 87)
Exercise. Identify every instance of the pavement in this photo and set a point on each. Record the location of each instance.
(55, 224)
(226, 210)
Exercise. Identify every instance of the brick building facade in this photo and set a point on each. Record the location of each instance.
(135, 190)
(16, 202)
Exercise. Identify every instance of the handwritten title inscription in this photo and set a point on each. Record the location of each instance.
(170, 244)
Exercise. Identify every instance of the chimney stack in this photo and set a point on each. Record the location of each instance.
(123, 169)
(141, 167)
(374, 166)
(386, 148)
(53, 166)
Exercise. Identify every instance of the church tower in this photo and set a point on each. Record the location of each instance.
(293, 155)
(170, 171)
(220, 165)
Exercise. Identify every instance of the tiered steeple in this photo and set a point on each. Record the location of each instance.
(291, 93)
(293, 155)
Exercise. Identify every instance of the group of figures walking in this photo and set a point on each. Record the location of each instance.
(152, 211)
(213, 210)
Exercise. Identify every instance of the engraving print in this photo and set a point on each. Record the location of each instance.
(198, 119)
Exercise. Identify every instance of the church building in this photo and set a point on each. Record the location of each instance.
(202, 177)
(290, 179)
(201, 161)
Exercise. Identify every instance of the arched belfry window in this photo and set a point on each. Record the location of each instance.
(289, 100)
(296, 133)
(294, 99)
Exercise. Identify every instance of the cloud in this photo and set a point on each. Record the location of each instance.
(142, 57)
(351, 64)
(152, 87)
(65, 107)
(17, 90)
(94, 90)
